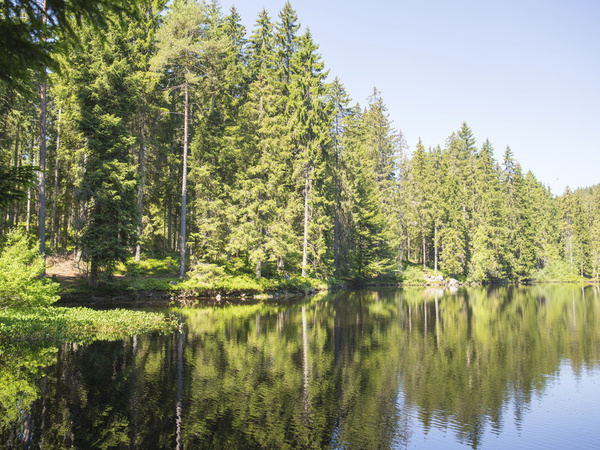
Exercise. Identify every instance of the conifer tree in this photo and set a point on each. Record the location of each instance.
(256, 197)
(489, 234)
(419, 195)
(339, 100)
(106, 99)
(310, 128)
(454, 242)
(286, 43)
(179, 48)
(520, 254)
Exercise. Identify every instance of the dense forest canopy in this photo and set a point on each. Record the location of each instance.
(174, 129)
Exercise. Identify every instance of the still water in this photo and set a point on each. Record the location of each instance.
(509, 367)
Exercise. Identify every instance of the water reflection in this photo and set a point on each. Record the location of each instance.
(385, 368)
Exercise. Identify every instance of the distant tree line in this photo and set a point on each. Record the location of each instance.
(171, 128)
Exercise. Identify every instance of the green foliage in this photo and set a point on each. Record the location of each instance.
(20, 269)
(556, 271)
(148, 267)
(83, 325)
(413, 274)
(210, 279)
(284, 176)
(106, 91)
(21, 366)
(14, 182)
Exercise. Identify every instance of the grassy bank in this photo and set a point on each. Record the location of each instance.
(159, 277)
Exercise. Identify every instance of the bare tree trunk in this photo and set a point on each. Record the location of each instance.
(305, 241)
(336, 220)
(571, 251)
(142, 169)
(336, 251)
(169, 225)
(400, 255)
(42, 175)
(424, 252)
(93, 277)
(14, 207)
(435, 250)
(55, 193)
(184, 180)
(28, 220)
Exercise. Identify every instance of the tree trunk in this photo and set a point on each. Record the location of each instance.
(169, 225)
(55, 192)
(28, 220)
(581, 247)
(142, 169)
(336, 220)
(571, 251)
(305, 241)
(400, 255)
(336, 256)
(42, 176)
(435, 250)
(424, 252)
(13, 215)
(184, 179)
(93, 277)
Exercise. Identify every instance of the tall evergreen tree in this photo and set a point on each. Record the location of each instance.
(489, 234)
(310, 127)
(179, 49)
(106, 98)
(339, 100)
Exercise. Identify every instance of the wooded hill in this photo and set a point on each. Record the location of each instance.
(175, 129)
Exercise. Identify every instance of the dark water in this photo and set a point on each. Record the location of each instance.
(482, 368)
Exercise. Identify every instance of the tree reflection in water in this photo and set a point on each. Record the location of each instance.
(358, 369)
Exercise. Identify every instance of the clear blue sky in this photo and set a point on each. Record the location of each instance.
(524, 73)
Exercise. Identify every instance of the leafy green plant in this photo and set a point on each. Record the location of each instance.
(20, 268)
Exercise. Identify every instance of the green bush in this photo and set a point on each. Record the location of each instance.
(557, 270)
(210, 279)
(20, 268)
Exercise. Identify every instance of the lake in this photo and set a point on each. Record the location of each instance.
(503, 367)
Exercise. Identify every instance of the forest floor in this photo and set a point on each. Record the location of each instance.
(128, 284)
(64, 269)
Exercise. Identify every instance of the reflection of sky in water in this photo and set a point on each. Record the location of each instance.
(563, 415)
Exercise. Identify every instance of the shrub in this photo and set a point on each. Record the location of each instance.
(20, 268)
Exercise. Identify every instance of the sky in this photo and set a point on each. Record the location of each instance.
(521, 73)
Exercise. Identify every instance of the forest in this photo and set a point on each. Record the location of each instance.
(168, 128)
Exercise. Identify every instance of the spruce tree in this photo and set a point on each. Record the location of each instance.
(310, 127)
(179, 48)
(339, 101)
(488, 230)
(106, 100)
